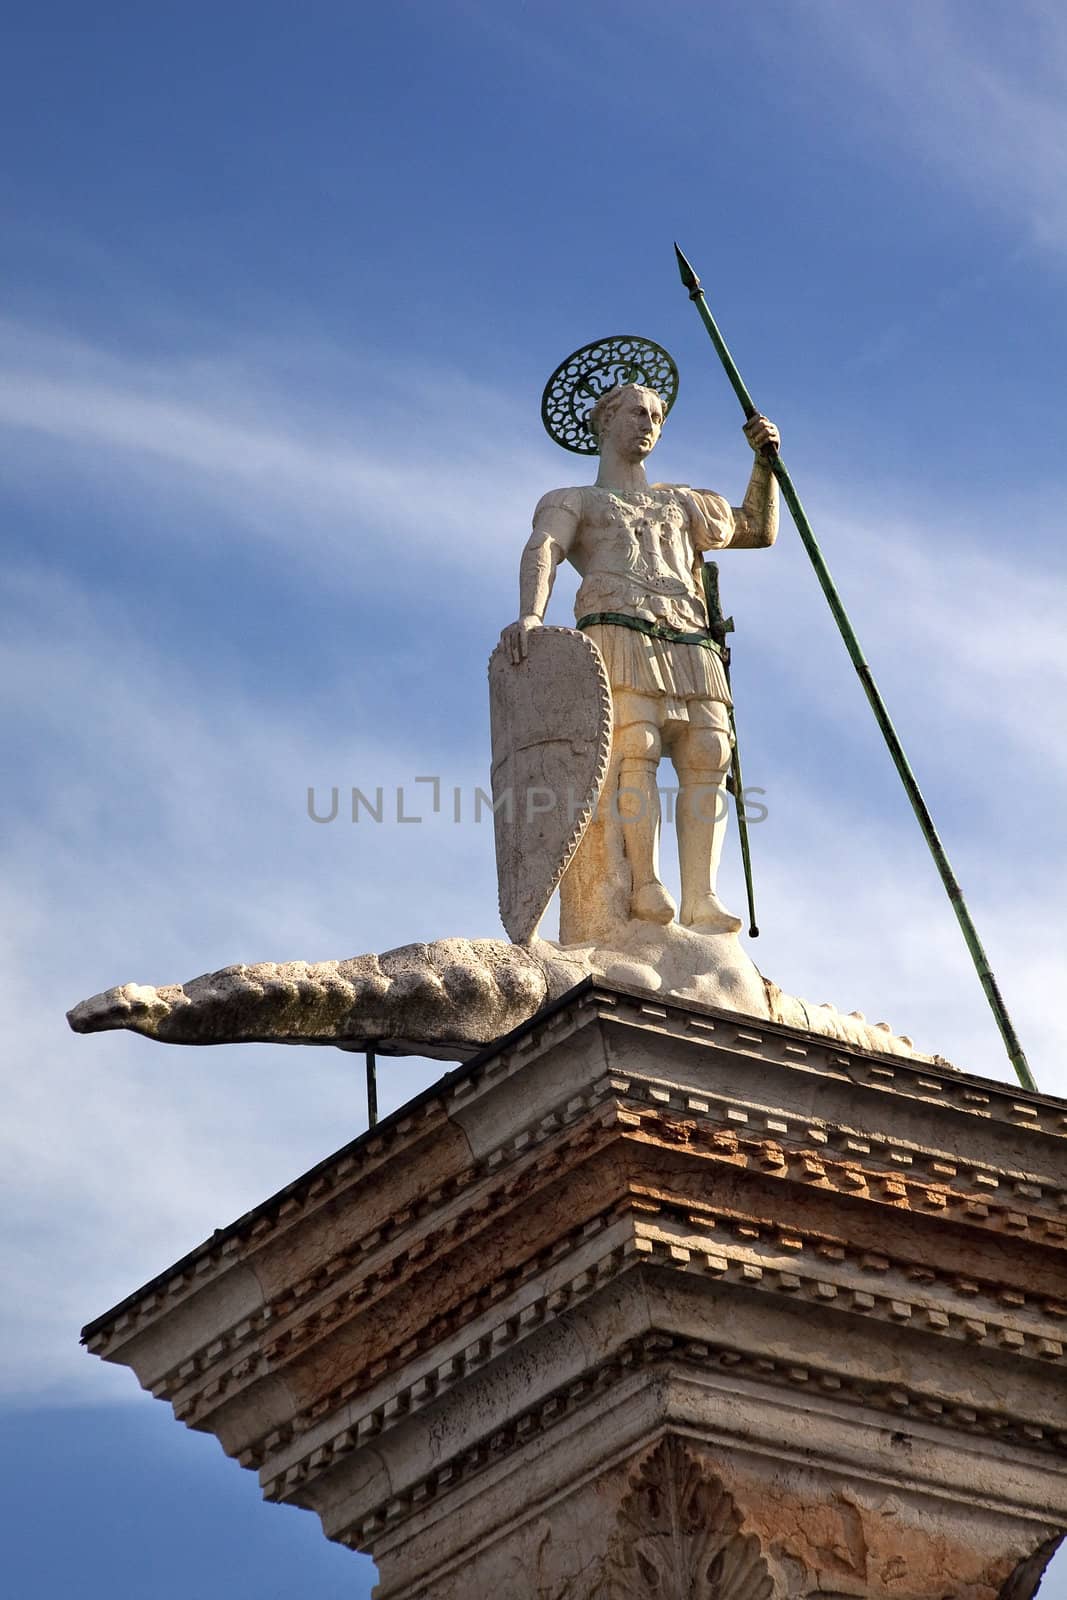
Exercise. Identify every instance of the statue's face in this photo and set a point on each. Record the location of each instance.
(634, 424)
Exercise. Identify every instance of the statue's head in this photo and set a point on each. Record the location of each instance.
(630, 416)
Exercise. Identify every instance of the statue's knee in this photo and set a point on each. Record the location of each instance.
(706, 754)
(639, 741)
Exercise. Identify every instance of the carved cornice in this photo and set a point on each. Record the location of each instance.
(436, 1332)
(733, 1267)
(799, 1150)
(906, 1405)
(250, 1350)
(936, 1082)
(309, 1312)
(807, 1149)
(749, 1254)
(1012, 1201)
(739, 1250)
(993, 1319)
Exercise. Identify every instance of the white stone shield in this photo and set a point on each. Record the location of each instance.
(551, 720)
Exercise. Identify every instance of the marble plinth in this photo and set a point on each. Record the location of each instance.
(649, 1300)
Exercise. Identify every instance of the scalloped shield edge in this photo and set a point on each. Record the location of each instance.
(551, 723)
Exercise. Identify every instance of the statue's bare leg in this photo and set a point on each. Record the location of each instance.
(637, 749)
(700, 751)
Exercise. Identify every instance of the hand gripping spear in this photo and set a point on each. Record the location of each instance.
(870, 688)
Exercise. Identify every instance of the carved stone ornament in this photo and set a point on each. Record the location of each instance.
(679, 1537)
(578, 383)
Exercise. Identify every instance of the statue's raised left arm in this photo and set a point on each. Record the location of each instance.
(755, 520)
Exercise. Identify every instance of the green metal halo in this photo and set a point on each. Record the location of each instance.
(577, 384)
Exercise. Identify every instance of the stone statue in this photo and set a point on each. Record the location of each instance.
(639, 549)
(589, 710)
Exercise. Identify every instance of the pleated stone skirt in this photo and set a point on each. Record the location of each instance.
(679, 672)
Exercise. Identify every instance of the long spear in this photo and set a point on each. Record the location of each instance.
(870, 688)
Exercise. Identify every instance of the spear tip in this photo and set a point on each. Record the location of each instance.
(689, 277)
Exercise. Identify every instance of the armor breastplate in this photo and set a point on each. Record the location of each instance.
(639, 557)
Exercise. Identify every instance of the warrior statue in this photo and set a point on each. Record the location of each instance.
(580, 718)
(639, 549)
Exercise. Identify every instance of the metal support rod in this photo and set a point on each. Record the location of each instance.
(870, 688)
(742, 830)
(719, 626)
(372, 1087)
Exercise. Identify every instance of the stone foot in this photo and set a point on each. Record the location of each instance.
(709, 915)
(652, 903)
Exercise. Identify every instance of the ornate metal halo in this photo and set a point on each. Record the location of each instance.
(577, 384)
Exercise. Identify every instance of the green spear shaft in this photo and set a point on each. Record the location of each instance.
(870, 688)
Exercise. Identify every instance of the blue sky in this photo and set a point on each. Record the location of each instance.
(282, 286)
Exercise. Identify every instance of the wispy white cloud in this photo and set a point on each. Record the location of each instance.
(962, 615)
(985, 105)
(257, 436)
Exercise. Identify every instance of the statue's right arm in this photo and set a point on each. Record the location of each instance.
(555, 526)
